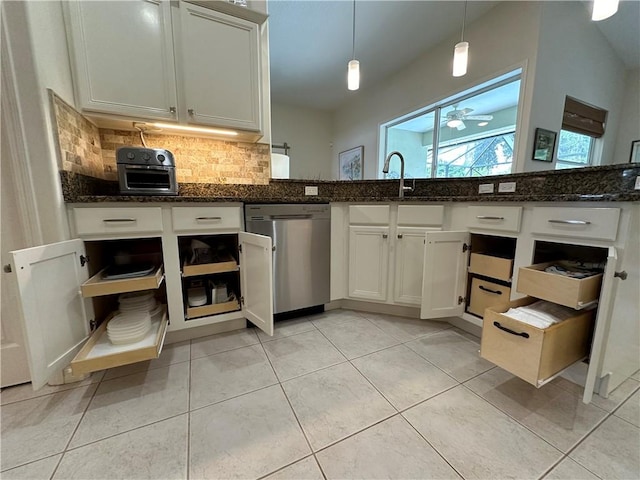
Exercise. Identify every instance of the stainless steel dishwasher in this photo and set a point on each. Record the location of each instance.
(302, 239)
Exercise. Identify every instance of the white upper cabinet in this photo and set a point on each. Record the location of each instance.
(219, 62)
(122, 56)
(161, 60)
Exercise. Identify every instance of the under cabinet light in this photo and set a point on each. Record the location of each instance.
(185, 128)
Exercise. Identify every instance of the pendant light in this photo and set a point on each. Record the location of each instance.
(461, 51)
(603, 9)
(353, 69)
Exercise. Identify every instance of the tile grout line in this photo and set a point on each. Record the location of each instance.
(304, 434)
(188, 462)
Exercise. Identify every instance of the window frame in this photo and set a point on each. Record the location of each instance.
(448, 102)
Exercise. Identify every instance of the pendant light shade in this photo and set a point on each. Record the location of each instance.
(603, 9)
(461, 51)
(353, 75)
(353, 69)
(460, 58)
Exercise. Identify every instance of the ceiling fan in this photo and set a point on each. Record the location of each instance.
(455, 118)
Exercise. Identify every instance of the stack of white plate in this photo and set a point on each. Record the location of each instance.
(133, 321)
(128, 327)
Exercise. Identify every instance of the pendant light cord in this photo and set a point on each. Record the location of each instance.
(353, 30)
(464, 18)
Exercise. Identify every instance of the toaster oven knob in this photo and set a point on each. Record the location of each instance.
(161, 158)
(146, 157)
(131, 155)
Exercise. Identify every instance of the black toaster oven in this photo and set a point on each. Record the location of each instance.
(146, 171)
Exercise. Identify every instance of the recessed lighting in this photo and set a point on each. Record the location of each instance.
(483, 124)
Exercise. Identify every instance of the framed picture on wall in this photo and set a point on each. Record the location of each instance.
(350, 164)
(544, 144)
(635, 152)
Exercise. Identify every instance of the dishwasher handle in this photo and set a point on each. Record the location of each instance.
(301, 216)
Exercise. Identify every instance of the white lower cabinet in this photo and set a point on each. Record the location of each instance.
(66, 301)
(368, 262)
(409, 260)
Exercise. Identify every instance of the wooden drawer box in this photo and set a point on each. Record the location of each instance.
(491, 266)
(570, 292)
(533, 354)
(486, 294)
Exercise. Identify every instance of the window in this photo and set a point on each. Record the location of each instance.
(574, 150)
(581, 125)
(471, 134)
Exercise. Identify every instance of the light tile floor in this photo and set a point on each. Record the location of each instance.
(338, 395)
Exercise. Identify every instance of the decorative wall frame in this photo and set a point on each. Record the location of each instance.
(350, 164)
(544, 145)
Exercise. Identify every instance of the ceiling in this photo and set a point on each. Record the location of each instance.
(310, 41)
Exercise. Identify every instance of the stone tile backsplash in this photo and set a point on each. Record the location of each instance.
(89, 150)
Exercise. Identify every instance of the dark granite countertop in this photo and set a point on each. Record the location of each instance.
(613, 183)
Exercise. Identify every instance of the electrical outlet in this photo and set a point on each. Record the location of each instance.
(506, 187)
(310, 190)
(637, 187)
(485, 188)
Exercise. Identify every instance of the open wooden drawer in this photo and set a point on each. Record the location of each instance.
(576, 293)
(97, 286)
(533, 354)
(99, 353)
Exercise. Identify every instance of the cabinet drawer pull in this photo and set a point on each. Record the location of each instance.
(399, 235)
(488, 217)
(208, 219)
(570, 222)
(384, 235)
(119, 220)
(482, 287)
(508, 330)
(621, 275)
(191, 111)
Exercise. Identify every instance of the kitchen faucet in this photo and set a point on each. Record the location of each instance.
(385, 169)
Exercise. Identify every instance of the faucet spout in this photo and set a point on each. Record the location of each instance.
(385, 169)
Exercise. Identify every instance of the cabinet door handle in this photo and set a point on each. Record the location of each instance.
(172, 109)
(119, 220)
(482, 287)
(384, 235)
(208, 219)
(399, 235)
(191, 111)
(488, 217)
(508, 330)
(621, 275)
(570, 222)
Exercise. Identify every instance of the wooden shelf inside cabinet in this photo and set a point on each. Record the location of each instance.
(215, 309)
(99, 353)
(97, 286)
(208, 268)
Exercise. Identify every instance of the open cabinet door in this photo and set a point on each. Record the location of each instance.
(601, 331)
(444, 281)
(256, 275)
(54, 313)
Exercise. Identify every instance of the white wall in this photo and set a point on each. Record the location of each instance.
(503, 39)
(629, 120)
(38, 47)
(309, 132)
(574, 59)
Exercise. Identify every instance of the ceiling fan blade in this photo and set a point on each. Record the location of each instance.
(479, 117)
(466, 111)
(462, 126)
